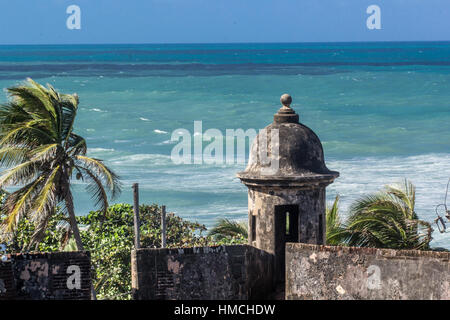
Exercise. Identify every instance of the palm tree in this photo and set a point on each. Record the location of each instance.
(388, 220)
(226, 228)
(336, 231)
(42, 154)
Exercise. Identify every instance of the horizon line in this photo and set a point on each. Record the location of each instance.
(221, 43)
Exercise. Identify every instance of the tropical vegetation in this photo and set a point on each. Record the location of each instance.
(42, 154)
(226, 229)
(386, 219)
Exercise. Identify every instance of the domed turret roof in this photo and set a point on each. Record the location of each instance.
(294, 153)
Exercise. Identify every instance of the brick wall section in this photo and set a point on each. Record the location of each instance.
(45, 276)
(324, 272)
(202, 273)
(7, 285)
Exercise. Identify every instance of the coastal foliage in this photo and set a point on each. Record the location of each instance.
(336, 233)
(226, 229)
(54, 237)
(386, 219)
(42, 154)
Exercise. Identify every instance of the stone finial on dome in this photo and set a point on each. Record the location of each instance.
(286, 114)
(286, 100)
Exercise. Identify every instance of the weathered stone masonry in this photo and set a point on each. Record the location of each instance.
(7, 284)
(343, 273)
(46, 276)
(203, 273)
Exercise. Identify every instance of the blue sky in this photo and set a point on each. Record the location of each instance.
(219, 21)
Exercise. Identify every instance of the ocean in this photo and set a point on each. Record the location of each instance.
(381, 110)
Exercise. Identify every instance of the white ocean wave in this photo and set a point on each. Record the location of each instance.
(97, 110)
(100, 151)
(141, 160)
(165, 142)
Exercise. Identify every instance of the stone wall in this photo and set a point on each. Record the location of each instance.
(7, 284)
(46, 276)
(260, 274)
(204, 273)
(324, 272)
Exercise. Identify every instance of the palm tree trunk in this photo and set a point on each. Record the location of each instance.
(73, 221)
(76, 232)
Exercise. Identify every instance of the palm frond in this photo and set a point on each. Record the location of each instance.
(388, 220)
(11, 155)
(43, 153)
(95, 189)
(33, 99)
(47, 199)
(336, 233)
(20, 174)
(109, 177)
(227, 228)
(30, 133)
(18, 203)
(76, 145)
(69, 106)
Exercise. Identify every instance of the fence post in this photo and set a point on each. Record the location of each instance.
(137, 223)
(163, 226)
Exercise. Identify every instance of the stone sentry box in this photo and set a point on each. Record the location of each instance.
(237, 272)
(346, 273)
(46, 276)
(286, 178)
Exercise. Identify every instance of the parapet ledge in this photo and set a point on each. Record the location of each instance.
(47, 255)
(386, 253)
(190, 250)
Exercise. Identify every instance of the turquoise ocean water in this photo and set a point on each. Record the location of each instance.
(382, 111)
